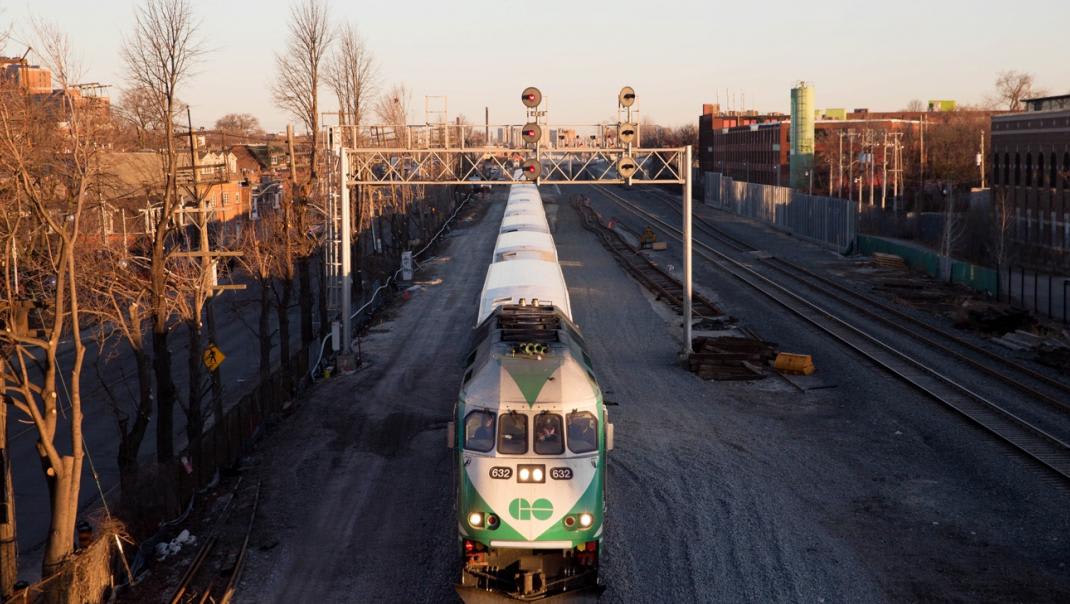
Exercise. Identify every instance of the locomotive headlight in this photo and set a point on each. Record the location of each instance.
(586, 519)
(525, 474)
(536, 474)
(475, 519)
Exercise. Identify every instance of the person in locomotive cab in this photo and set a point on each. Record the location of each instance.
(546, 429)
(582, 433)
(485, 432)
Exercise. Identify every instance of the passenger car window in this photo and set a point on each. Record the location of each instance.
(513, 434)
(479, 431)
(582, 432)
(548, 434)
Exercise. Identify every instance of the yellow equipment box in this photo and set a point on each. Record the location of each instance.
(796, 364)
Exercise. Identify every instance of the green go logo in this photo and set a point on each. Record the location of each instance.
(522, 509)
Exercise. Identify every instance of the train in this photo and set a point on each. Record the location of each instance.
(530, 432)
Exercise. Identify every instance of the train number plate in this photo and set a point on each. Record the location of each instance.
(561, 473)
(501, 472)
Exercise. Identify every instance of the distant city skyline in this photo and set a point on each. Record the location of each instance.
(683, 55)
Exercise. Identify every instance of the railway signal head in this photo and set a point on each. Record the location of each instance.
(531, 133)
(627, 131)
(626, 167)
(531, 97)
(531, 169)
(626, 97)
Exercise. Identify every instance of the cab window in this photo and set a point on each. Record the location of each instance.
(513, 434)
(549, 435)
(582, 432)
(479, 431)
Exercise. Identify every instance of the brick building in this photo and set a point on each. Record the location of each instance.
(32, 79)
(744, 145)
(1030, 168)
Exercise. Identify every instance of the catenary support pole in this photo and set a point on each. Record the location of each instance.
(346, 252)
(687, 251)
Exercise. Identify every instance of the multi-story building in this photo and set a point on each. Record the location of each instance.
(1030, 168)
(32, 79)
(744, 145)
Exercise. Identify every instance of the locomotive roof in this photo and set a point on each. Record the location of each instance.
(528, 354)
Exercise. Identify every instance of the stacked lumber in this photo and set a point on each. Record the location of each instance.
(889, 261)
(730, 357)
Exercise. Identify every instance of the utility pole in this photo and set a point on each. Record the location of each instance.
(981, 160)
(840, 157)
(850, 163)
(884, 179)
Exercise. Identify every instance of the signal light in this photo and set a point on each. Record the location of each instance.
(531, 133)
(531, 169)
(531, 97)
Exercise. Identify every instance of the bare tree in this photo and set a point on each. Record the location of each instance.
(353, 75)
(915, 106)
(1003, 218)
(1012, 87)
(139, 111)
(49, 173)
(296, 89)
(160, 57)
(242, 125)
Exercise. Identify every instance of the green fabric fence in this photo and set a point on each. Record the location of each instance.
(977, 277)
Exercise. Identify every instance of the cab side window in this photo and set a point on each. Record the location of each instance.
(479, 431)
(513, 434)
(582, 432)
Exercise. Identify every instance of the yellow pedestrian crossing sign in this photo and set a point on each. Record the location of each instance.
(213, 357)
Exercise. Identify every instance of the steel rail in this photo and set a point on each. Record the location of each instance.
(209, 548)
(1031, 440)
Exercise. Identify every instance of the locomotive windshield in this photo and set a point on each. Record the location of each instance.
(479, 431)
(549, 434)
(513, 434)
(582, 432)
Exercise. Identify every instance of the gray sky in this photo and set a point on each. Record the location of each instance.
(677, 54)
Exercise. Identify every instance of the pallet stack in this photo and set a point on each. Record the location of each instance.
(730, 358)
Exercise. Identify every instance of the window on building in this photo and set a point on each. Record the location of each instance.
(1053, 177)
(1040, 169)
(995, 168)
(225, 198)
(1017, 169)
(1028, 169)
(1066, 169)
(1007, 169)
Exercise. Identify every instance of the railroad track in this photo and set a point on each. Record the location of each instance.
(1008, 426)
(664, 285)
(1052, 392)
(213, 574)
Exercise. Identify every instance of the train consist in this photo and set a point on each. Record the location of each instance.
(530, 430)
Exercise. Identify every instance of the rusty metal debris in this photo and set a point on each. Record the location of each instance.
(730, 357)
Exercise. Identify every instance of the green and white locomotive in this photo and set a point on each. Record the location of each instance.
(530, 435)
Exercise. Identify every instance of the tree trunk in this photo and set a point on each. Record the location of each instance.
(165, 394)
(194, 416)
(131, 436)
(304, 297)
(61, 530)
(9, 562)
(282, 308)
(264, 331)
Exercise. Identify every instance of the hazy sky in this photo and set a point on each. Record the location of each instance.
(677, 54)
